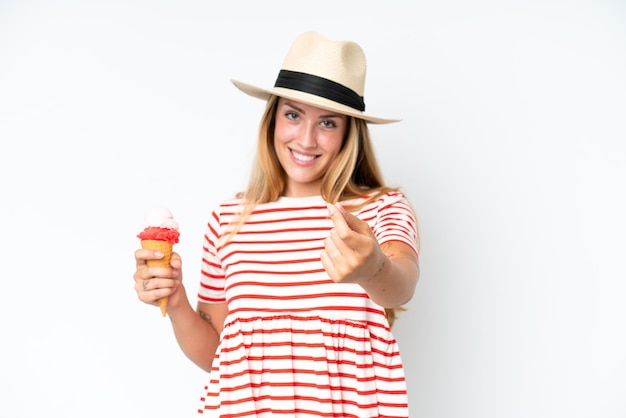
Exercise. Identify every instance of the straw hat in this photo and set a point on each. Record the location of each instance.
(322, 73)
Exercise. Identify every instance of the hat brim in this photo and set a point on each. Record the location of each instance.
(311, 99)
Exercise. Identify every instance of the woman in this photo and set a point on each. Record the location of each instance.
(302, 272)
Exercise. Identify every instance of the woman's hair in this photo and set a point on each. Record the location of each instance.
(353, 173)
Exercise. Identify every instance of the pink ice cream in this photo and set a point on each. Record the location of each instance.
(160, 225)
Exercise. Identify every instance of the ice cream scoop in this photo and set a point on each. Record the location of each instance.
(161, 218)
(160, 234)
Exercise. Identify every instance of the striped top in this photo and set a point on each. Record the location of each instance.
(294, 343)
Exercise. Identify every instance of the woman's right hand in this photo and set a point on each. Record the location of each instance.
(154, 283)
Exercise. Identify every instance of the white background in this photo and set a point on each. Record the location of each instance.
(512, 150)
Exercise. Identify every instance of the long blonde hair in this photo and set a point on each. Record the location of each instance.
(355, 171)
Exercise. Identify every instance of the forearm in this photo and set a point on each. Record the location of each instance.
(393, 284)
(197, 338)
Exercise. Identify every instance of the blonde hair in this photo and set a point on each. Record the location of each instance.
(355, 172)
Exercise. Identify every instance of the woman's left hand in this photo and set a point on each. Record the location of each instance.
(351, 252)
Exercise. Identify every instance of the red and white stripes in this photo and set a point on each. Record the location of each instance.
(295, 343)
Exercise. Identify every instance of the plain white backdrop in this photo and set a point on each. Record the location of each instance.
(512, 150)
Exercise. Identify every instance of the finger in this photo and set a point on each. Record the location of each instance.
(144, 272)
(143, 255)
(334, 246)
(152, 297)
(176, 262)
(345, 221)
(329, 265)
(337, 257)
(151, 290)
(155, 284)
(336, 213)
(343, 235)
(353, 222)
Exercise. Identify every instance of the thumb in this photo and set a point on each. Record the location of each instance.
(176, 262)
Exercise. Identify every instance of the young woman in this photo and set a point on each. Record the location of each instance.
(303, 270)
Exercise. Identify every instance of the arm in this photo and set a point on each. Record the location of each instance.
(393, 283)
(198, 332)
(352, 254)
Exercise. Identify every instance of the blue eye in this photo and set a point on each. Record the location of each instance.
(291, 115)
(328, 124)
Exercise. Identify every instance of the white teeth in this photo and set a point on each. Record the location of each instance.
(301, 157)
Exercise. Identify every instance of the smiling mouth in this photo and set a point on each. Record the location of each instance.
(305, 158)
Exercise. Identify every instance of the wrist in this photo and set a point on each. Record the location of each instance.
(178, 302)
(380, 268)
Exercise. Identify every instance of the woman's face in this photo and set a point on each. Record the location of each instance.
(307, 139)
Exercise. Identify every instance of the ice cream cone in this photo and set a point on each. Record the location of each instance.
(162, 246)
(166, 249)
(160, 233)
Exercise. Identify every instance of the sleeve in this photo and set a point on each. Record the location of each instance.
(396, 221)
(213, 277)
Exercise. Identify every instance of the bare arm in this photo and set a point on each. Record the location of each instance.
(393, 283)
(198, 332)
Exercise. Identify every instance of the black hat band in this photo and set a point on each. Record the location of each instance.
(320, 86)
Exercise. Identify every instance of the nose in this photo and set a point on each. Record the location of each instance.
(308, 135)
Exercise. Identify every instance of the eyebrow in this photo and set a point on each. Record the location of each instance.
(330, 115)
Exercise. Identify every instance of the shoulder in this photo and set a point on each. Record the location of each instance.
(226, 210)
(232, 204)
(379, 200)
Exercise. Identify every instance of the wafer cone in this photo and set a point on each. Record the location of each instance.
(166, 249)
